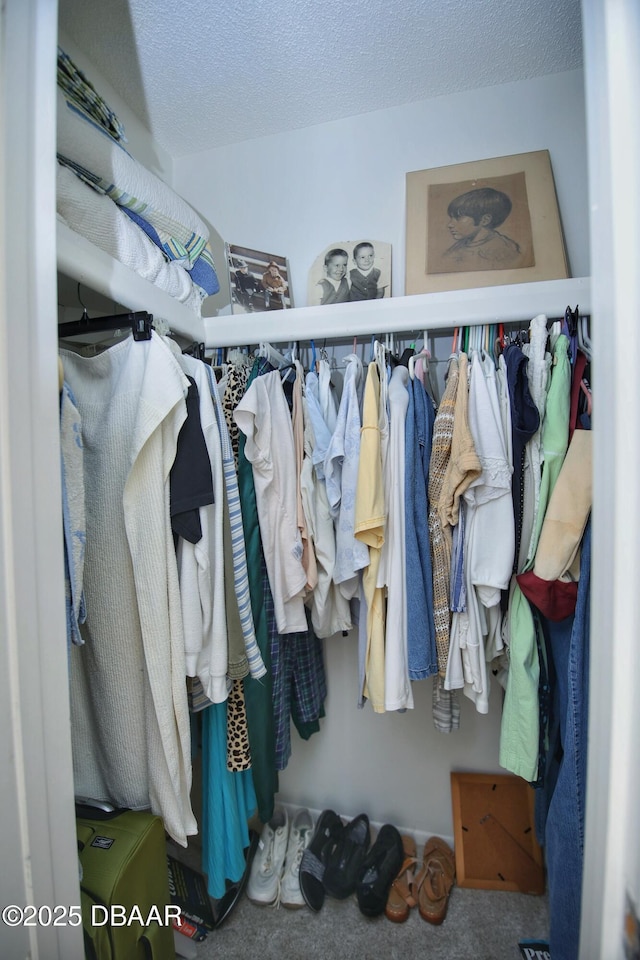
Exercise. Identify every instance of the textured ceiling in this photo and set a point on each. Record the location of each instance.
(202, 74)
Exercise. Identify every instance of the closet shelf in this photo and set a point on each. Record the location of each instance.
(518, 302)
(81, 260)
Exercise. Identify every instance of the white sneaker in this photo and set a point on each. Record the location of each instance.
(299, 838)
(264, 880)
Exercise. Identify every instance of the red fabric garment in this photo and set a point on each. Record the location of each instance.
(555, 599)
(576, 378)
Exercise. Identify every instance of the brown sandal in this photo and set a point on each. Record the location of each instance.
(400, 898)
(432, 885)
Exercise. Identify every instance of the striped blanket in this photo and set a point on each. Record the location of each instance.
(101, 221)
(82, 91)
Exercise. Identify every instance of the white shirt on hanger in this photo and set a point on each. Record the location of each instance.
(398, 694)
(264, 418)
(489, 541)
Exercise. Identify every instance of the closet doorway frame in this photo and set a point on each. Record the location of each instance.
(611, 34)
(37, 826)
(37, 829)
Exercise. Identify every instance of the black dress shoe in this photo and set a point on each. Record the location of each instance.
(327, 831)
(346, 858)
(379, 870)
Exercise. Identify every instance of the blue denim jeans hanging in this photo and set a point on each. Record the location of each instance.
(563, 832)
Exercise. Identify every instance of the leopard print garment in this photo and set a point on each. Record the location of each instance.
(234, 391)
(238, 749)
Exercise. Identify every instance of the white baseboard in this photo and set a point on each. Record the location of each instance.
(420, 836)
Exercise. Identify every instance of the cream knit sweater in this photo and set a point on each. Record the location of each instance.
(130, 718)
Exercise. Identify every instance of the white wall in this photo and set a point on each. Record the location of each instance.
(394, 767)
(294, 193)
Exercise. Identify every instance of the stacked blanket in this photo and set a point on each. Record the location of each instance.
(100, 220)
(87, 145)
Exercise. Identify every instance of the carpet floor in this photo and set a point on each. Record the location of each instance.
(480, 925)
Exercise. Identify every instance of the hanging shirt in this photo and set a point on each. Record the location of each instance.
(341, 474)
(321, 431)
(326, 395)
(309, 561)
(439, 535)
(201, 564)
(538, 370)
(264, 418)
(397, 688)
(330, 612)
(489, 541)
(463, 469)
(463, 466)
(258, 694)
(370, 523)
(520, 731)
(190, 481)
(257, 668)
(505, 406)
(421, 636)
(458, 588)
(525, 421)
(555, 433)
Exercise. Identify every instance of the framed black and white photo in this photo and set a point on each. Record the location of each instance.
(350, 270)
(259, 281)
(483, 223)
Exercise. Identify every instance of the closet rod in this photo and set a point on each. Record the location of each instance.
(510, 303)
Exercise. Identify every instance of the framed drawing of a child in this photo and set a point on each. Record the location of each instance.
(350, 270)
(483, 223)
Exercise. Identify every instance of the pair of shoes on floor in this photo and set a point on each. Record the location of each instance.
(379, 869)
(434, 881)
(332, 862)
(340, 862)
(328, 831)
(345, 859)
(274, 877)
(401, 900)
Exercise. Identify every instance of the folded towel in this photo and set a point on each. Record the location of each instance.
(83, 93)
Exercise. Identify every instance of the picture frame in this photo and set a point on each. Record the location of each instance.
(259, 281)
(461, 232)
(336, 275)
(494, 833)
